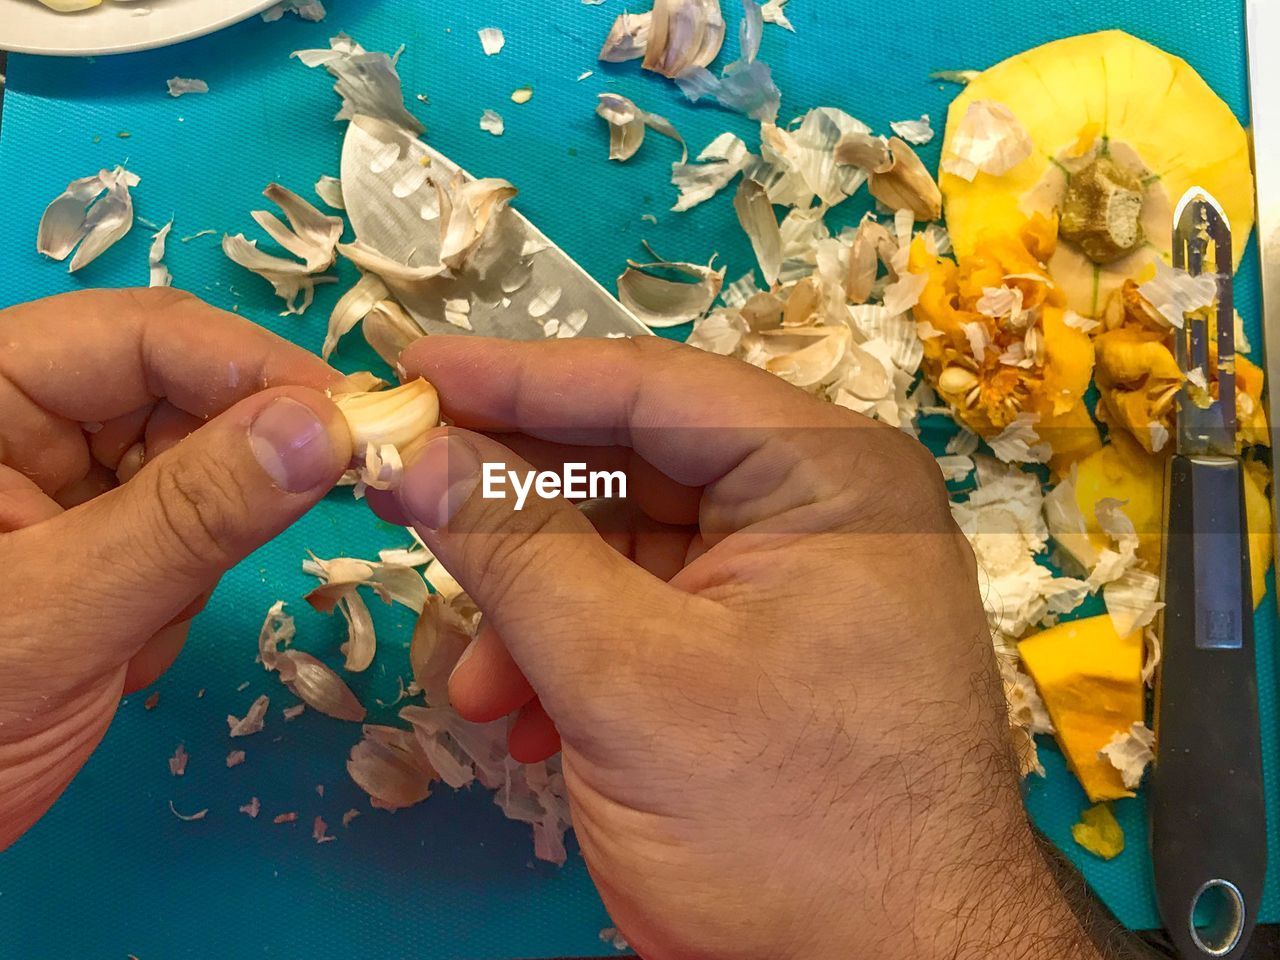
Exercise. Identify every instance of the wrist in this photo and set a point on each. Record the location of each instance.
(978, 888)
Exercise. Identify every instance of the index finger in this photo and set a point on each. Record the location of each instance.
(98, 354)
(693, 415)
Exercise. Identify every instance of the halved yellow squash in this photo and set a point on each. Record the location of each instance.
(1101, 94)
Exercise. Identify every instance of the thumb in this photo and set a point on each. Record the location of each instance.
(564, 602)
(123, 565)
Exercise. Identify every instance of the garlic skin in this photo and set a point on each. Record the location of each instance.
(397, 417)
(390, 766)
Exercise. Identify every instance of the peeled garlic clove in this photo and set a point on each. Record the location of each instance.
(397, 417)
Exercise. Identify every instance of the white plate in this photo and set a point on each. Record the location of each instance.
(28, 26)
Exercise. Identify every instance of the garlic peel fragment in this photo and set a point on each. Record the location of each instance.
(772, 12)
(746, 85)
(389, 765)
(660, 302)
(755, 214)
(329, 190)
(309, 679)
(317, 685)
(466, 209)
(492, 40)
(311, 10)
(440, 636)
(917, 132)
(311, 236)
(367, 82)
(1173, 293)
(389, 328)
(627, 124)
(351, 308)
(183, 85)
(159, 273)
(92, 213)
(683, 34)
(720, 161)
(627, 39)
(906, 184)
(800, 163)
(252, 721)
(1131, 751)
(989, 139)
(198, 815)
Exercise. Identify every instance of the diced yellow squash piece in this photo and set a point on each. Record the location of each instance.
(1090, 679)
(1098, 832)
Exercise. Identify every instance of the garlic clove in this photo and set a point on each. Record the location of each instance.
(397, 417)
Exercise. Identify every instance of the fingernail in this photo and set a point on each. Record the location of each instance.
(292, 445)
(439, 481)
(466, 654)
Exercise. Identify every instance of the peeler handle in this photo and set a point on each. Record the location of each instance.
(1207, 814)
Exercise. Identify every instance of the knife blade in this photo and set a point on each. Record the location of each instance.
(1207, 812)
(388, 184)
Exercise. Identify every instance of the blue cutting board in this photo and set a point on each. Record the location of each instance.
(109, 871)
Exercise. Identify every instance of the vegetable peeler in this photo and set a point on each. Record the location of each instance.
(1207, 816)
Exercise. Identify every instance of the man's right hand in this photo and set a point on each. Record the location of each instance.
(782, 728)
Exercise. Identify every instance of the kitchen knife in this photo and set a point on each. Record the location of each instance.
(1208, 819)
(388, 185)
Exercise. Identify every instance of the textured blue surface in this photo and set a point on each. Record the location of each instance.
(109, 871)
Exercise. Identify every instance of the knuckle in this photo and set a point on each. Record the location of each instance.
(155, 298)
(646, 347)
(917, 471)
(198, 502)
(887, 478)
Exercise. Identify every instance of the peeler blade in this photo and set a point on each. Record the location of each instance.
(1205, 344)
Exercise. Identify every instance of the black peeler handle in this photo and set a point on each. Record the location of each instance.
(1207, 815)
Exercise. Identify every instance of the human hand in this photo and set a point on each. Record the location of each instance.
(103, 575)
(783, 733)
